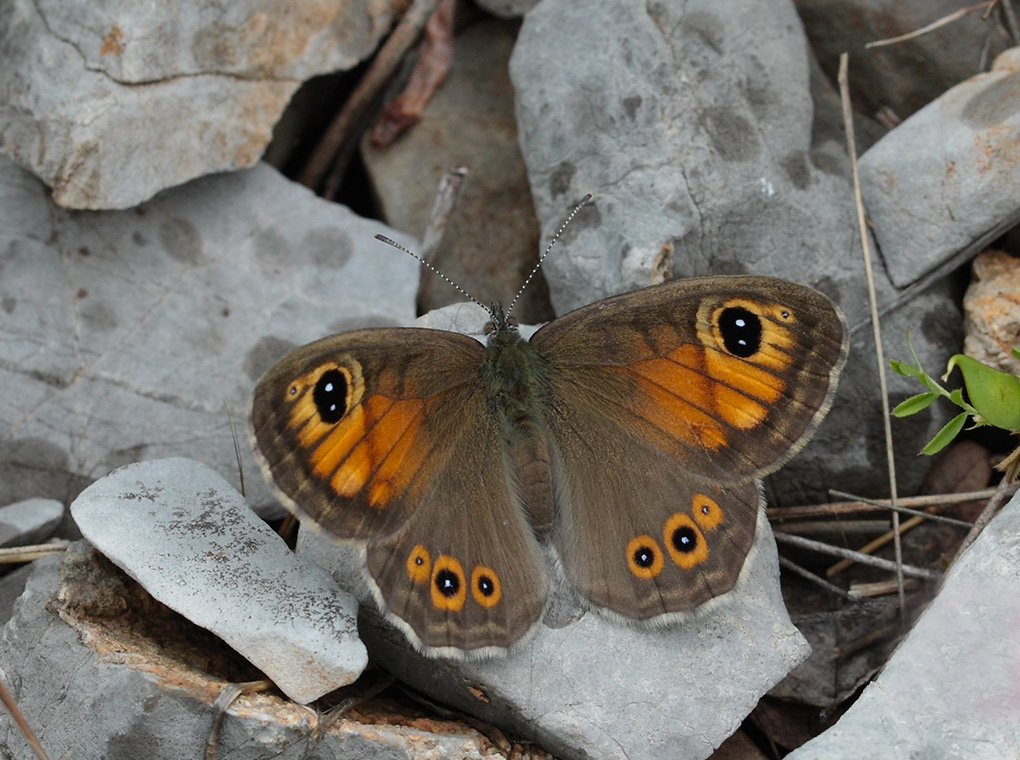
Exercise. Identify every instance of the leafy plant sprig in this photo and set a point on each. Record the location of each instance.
(993, 398)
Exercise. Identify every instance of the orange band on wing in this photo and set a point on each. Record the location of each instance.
(694, 390)
(681, 397)
(743, 376)
(377, 445)
(353, 474)
(397, 442)
(337, 444)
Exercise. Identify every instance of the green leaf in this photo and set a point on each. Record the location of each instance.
(995, 394)
(902, 368)
(945, 436)
(1015, 351)
(914, 404)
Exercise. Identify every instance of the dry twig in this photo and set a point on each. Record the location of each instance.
(20, 722)
(16, 554)
(817, 580)
(864, 559)
(993, 505)
(442, 207)
(838, 508)
(337, 143)
(874, 545)
(434, 59)
(223, 702)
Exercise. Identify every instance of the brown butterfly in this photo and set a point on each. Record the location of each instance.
(628, 434)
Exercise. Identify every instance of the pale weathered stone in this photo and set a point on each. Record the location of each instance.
(92, 688)
(29, 522)
(111, 102)
(189, 539)
(140, 334)
(991, 308)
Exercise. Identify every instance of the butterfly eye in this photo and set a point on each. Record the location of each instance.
(684, 541)
(448, 588)
(741, 331)
(419, 566)
(331, 396)
(485, 586)
(643, 557)
(707, 512)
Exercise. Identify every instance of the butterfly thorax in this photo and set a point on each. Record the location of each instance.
(512, 375)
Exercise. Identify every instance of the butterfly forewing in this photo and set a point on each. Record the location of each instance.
(344, 426)
(727, 375)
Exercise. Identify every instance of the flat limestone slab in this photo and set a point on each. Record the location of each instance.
(135, 335)
(586, 686)
(189, 539)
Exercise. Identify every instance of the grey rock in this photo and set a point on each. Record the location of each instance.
(950, 691)
(133, 335)
(109, 103)
(838, 666)
(696, 167)
(182, 532)
(491, 239)
(586, 686)
(693, 129)
(903, 77)
(92, 690)
(508, 8)
(942, 184)
(11, 587)
(29, 522)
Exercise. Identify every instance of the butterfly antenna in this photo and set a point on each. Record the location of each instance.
(534, 269)
(431, 268)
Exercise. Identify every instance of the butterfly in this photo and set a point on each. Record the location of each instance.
(629, 436)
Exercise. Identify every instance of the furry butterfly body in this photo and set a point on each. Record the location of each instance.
(627, 435)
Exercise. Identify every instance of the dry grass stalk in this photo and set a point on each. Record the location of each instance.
(848, 124)
(955, 16)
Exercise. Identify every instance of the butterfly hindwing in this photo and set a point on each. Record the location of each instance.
(466, 575)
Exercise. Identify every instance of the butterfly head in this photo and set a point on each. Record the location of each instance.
(499, 321)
